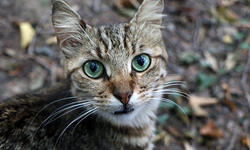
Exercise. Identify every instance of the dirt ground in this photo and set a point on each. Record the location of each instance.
(208, 44)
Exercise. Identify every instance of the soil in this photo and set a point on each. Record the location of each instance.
(208, 44)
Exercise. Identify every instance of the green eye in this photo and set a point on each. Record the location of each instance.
(141, 62)
(94, 69)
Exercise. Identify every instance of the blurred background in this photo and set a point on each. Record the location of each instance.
(208, 44)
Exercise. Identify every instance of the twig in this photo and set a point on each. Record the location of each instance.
(38, 29)
(245, 78)
(233, 139)
(196, 34)
(53, 73)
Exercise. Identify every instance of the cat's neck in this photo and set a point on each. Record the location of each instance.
(132, 138)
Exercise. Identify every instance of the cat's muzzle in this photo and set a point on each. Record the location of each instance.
(125, 110)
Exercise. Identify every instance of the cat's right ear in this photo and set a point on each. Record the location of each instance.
(150, 12)
(69, 28)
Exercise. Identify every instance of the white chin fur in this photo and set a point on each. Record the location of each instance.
(139, 117)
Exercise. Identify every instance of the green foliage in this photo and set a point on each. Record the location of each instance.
(186, 110)
(189, 58)
(222, 71)
(205, 64)
(204, 81)
(244, 46)
(166, 105)
(162, 119)
(239, 35)
(239, 68)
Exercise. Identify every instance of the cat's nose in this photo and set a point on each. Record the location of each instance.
(123, 97)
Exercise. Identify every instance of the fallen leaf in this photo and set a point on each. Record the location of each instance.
(15, 71)
(196, 102)
(227, 96)
(51, 40)
(228, 14)
(246, 141)
(228, 2)
(173, 131)
(10, 52)
(27, 33)
(210, 130)
(170, 78)
(187, 146)
(224, 14)
(231, 15)
(227, 39)
(211, 60)
(162, 136)
(230, 61)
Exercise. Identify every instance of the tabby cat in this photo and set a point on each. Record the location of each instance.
(115, 78)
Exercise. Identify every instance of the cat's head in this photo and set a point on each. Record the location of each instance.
(115, 70)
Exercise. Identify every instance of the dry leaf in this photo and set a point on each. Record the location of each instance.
(230, 62)
(163, 136)
(170, 78)
(246, 141)
(27, 33)
(227, 14)
(10, 52)
(196, 102)
(15, 71)
(211, 60)
(51, 40)
(210, 130)
(228, 2)
(173, 131)
(37, 78)
(227, 96)
(187, 146)
(231, 15)
(227, 39)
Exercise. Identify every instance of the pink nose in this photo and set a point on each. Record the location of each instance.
(123, 97)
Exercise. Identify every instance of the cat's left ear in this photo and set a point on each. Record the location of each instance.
(150, 12)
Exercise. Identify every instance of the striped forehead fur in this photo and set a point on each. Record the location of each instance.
(72, 34)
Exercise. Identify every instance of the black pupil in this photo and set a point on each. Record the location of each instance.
(140, 60)
(93, 67)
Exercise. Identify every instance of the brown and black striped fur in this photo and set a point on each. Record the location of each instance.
(84, 112)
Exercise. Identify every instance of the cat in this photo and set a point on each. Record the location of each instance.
(109, 99)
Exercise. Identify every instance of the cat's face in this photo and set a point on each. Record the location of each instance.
(116, 70)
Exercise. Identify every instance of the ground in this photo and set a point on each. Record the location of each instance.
(208, 44)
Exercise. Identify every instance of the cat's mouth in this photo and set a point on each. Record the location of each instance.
(126, 109)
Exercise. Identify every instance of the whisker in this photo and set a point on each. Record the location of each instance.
(169, 85)
(65, 107)
(174, 92)
(171, 102)
(82, 120)
(67, 98)
(83, 115)
(53, 118)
